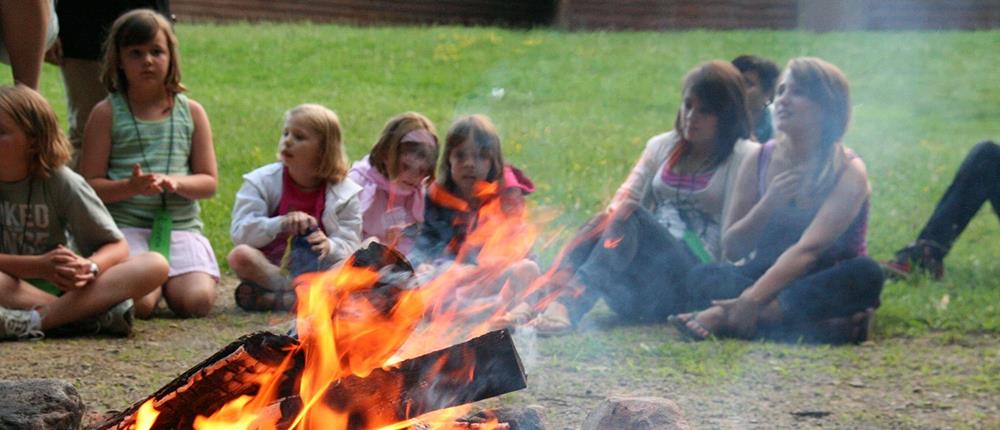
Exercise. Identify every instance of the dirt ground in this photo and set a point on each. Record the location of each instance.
(936, 381)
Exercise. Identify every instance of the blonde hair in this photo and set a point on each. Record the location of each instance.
(824, 84)
(49, 149)
(384, 156)
(325, 123)
(479, 130)
(135, 28)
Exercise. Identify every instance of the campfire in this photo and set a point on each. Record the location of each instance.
(373, 347)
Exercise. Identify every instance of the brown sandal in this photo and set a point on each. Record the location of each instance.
(255, 298)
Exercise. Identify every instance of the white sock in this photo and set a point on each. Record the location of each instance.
(36, 321)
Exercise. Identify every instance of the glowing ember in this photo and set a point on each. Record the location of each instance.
(146, 416)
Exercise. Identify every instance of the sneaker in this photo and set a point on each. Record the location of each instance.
(16, 324)
(922, 255)
(116, 321)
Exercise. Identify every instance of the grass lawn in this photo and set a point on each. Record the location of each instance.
(575, 112)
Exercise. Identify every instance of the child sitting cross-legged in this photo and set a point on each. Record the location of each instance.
(473, 176)
(298, 215)
(47, 286)
(393, 179)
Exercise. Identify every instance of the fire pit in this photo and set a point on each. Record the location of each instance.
(339, 368)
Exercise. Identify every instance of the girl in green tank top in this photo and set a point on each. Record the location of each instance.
(148, 153)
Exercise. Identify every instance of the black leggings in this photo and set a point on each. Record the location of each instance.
(977, 181)
(840, 290)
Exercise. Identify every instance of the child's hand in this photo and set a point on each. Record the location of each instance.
(143, 183)
(65, 269)
(297, 222)
(165, 183)
(319, 243)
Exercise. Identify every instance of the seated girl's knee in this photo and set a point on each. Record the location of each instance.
(194, 307)
(240, 256)
(153, 266)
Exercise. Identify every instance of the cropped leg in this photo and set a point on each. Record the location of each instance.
(638, 267)
(977, 180)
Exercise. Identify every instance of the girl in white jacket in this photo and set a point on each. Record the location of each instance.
(304, 199)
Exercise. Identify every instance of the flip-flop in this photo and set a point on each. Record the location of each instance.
(689, 327)
(518, 316)
(548, 325)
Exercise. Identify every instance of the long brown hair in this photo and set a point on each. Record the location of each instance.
(135, 28)
(479, 130)
(718, 85)
(49, 149)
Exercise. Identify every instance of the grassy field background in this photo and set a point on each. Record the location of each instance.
(575, 112)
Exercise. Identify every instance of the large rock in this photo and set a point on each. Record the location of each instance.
(636, 413)
(39, 404)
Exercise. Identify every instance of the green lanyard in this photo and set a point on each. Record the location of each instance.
(161, 232)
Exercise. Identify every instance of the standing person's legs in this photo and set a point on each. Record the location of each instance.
(24, 25)
(977, 180)
(82, 81)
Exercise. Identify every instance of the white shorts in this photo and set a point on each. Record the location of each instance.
(190, 251)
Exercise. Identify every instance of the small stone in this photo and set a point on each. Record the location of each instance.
(636, 413)
(856, 382)
(531, 417)
(39, 404)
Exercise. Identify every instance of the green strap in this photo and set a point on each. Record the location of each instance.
(694, 243)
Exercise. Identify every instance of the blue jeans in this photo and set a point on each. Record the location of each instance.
(641, 277)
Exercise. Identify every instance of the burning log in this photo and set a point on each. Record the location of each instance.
(484, 367)
(481, 368)
(227, 374)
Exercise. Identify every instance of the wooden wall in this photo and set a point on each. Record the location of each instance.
(932, 14)
(467, 12)
(677, 14)
(821, 15)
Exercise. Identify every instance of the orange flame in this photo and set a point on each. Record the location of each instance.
(349, 325)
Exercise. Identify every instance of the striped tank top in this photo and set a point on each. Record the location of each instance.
(150, 147)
